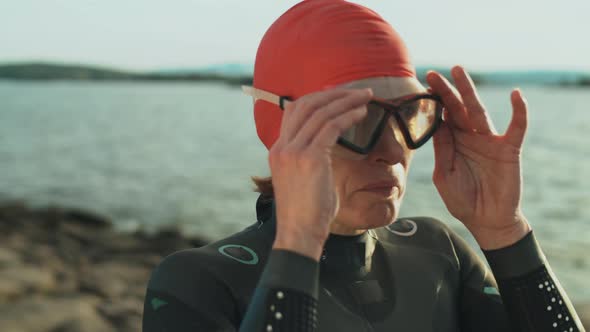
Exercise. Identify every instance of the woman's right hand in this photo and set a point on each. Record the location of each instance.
(301, 166)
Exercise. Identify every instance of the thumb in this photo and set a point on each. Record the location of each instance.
(444, 148)
(518, 124)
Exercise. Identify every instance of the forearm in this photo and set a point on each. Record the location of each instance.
(533, 298)
(285, 298)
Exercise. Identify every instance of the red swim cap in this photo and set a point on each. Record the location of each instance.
(317, 44)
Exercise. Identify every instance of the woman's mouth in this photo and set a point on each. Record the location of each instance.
(382, 191)
(382, 188)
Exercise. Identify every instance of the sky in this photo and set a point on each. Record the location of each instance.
(150, 34)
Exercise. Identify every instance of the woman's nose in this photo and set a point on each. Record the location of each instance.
(391, 147)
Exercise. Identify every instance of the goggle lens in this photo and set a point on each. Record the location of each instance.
(417, 117)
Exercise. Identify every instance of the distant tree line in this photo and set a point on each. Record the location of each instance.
(43, 71)
(48, 71)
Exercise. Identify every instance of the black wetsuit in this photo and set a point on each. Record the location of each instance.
(414, 275)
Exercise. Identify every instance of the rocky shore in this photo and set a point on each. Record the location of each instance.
(67, 270)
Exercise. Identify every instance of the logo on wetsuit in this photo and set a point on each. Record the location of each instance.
(405, 227)
(491, 290)
(158, 303)
(239, 253)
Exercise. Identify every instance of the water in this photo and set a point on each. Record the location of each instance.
(152, 154)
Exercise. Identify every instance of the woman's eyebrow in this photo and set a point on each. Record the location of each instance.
(400, 98)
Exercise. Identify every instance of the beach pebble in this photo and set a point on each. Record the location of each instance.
(37, 314)
(9, 258)
(87, 218)
(17, 280)
(125, 313)
(113, 279)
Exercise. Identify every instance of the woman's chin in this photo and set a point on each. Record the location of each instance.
(382, 220)
(377, 215)
(367, 210)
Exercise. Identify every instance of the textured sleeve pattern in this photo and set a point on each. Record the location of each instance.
(290, 311)
(533, 298)
(534, 302)
(285, 299)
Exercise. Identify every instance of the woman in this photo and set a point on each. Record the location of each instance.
(338, 106)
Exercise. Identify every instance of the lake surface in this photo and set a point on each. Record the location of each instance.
(154, 154)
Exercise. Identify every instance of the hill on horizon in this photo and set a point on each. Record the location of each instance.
(241, 73)
(500, 77)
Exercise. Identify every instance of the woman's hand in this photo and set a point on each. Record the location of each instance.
(477, 172)
(301, 166)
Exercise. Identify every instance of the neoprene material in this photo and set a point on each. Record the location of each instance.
(414, 275)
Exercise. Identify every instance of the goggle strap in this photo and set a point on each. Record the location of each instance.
(270, 97)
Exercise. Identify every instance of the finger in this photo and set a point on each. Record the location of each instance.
(519, 122)
(476, 113)
(319, 118)
(298, 111)
(453, 103)
(328, 135)
(287, 123)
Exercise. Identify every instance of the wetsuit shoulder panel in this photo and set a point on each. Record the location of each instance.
(208, 286)
(183, 295)
(421, 233)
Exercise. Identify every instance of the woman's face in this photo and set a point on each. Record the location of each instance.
(362, 209)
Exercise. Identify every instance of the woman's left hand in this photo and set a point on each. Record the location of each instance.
(478, 172)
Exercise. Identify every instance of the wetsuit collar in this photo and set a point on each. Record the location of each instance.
(344, 255)
(265, 209)
(348, 255)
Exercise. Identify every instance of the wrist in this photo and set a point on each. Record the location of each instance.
(501, 238)
(301, 243)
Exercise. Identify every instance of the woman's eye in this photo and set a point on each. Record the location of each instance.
(409, 110)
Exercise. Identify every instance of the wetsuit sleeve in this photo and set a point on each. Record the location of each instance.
(183, 296)
(521, 295)
(532, 295)
(285, 299)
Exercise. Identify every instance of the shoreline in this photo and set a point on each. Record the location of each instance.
(66, 270)
(69, 270)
